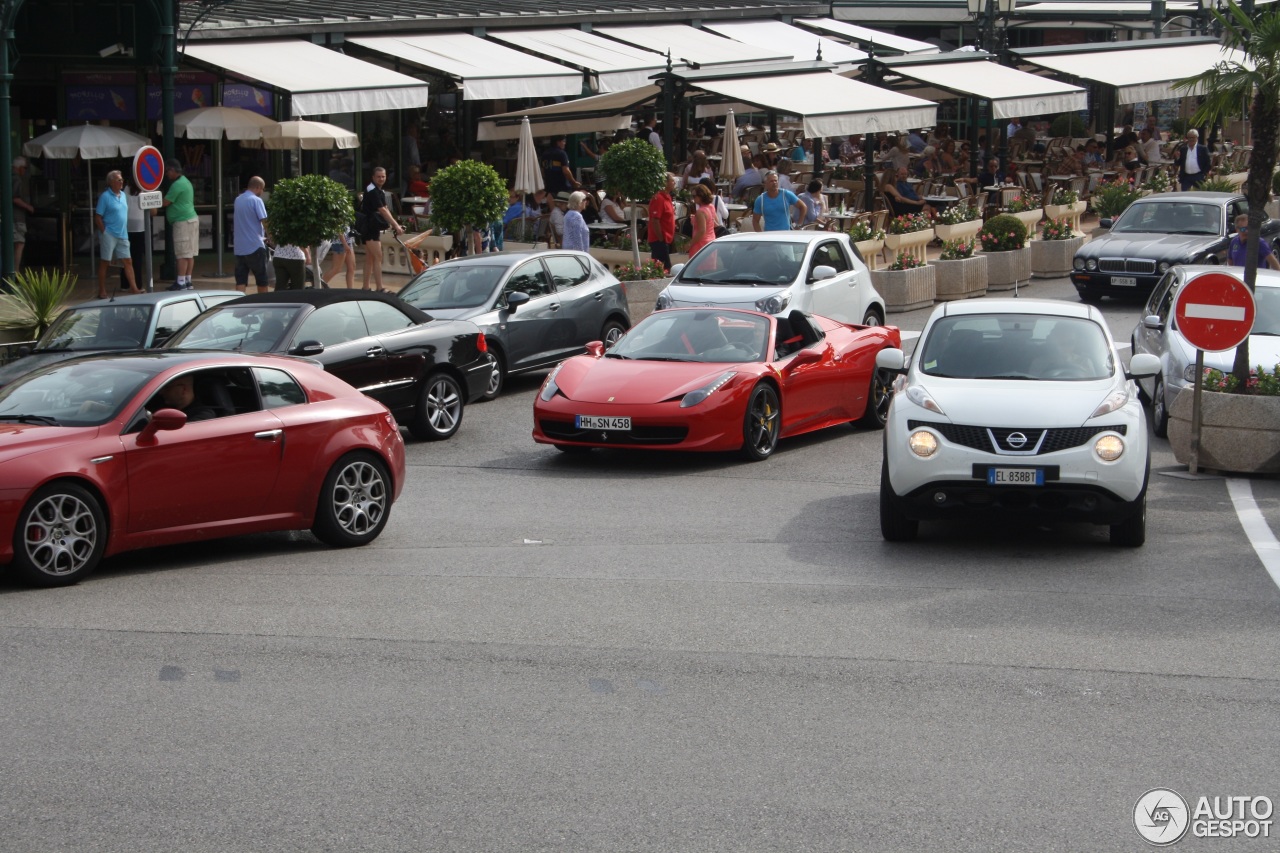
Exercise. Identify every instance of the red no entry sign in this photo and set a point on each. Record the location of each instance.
(148, 168)
(1215, 311)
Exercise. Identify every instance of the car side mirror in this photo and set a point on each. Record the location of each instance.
(1105, 222)
(164, 419)
(1143, 364)
(595, 349)
(891, 359)
(307, 348)
(516, 299)
(822, 272)
(675, 271)
(1152, 321)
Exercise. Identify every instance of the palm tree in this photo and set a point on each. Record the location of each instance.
(1253, 79)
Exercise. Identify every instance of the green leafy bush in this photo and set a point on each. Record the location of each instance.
(958, 214)
(647, 271)
(1056, 229)
(1215, 185)
(308, 210)
(957, 250)
(1159, 182)
(906, 262)
(1067, 124)
(1065, 195)
(909, 222)
(1112, 198)
(1024, 202)
(861, 231)
(467, 194)
(636, 169)
(36, 299)
(1262, 382)
(1003, 233)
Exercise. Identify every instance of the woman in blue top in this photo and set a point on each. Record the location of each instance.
(576, 235)
(774, 205)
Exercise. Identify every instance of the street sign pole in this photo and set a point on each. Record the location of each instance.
(1193, 465)
(148, 173)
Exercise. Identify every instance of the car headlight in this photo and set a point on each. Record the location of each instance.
(695, 397)
(1077, 263)
(1109, 447)
(1189, 374)
(1164, 267)
(1091, 264)
(549, 386)
(919, 396)
(1115, 400)
(923, 443)
(775, 304)
(664, 302)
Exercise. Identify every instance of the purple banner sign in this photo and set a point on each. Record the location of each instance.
(90, 103)
(247, 97)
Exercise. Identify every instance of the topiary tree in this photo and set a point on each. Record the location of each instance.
(1003, 233)
(467, 195)
(1067, 124)
(638, 170)
(309, 211)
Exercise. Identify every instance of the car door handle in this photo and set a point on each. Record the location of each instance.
(599, 296)
(268, 434)
(554, 306)
(375, 352)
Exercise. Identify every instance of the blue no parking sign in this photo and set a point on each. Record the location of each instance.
(148, 168)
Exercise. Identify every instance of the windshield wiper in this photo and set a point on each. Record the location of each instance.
(1010, 375)
(684, 280)
(30, 419)
(664, 358)
(616, 355)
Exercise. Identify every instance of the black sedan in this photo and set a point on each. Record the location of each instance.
(535, 308)
(119, 324)
(1154, 234)
(423, 370)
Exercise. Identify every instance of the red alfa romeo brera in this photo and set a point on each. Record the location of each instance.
(105, 454)
(716, 379)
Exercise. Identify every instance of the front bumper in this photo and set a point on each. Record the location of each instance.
(659, 426)
(971, 498)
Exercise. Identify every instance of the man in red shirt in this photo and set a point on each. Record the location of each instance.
(662, 224)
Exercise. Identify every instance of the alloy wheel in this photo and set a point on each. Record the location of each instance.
(61, 535)
(444, 405)
(359, 497)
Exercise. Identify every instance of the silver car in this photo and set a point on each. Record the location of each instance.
(1157, 333)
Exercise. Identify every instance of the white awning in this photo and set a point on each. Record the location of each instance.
(320, 81)
(606, 113)
(1138, 74)
(616, 66)
(863, 36)
(1011, 92)
(803, 44)
(487, 70)
(691, 45)
(1090, 8)
(896, 12)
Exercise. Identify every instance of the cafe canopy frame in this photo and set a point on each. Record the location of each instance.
(1012, 93)
(802, 43)
(614, 65)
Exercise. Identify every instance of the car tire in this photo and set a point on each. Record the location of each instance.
(879, 395)
(1159, 410)
(1132, 532)
(70, 531)
(439, 411)
(355, 501)
(873, 317)
(498, 378)
(894, 524)
(761, 424)
(612, 333)
(1090, 297)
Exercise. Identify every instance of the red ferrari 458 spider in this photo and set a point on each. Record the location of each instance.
(716, 379)
(104, 454)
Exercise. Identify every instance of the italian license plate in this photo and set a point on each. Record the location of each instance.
(1123, 281)
(594, 422)
(1015, 476)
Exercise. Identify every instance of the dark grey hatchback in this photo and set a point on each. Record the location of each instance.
(535, 308)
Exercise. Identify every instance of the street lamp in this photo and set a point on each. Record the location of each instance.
(984, 11)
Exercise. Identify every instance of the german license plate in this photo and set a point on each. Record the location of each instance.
(1123, 281)
(595, 422)
(1015, 476)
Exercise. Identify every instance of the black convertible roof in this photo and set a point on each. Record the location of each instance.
(322, 297)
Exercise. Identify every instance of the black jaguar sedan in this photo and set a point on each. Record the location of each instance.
(424, 370)
(1154, 234)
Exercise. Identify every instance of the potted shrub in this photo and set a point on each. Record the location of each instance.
(1237, 425)
(1027, 210)
(868, 240)
(639, 171)
(1066, 204)
(467, 195)
(906, 284)
(958, 222)
(309, 211)
(1004, 241)
(644, 282)
(910, 233)
(1112, 198)
(961, 273)
(1051, 255)
(1159, 182)
(1217, 185)
(35, 299)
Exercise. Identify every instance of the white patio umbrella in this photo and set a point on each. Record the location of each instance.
(92, 142)
(731, 167)
(528, 174)
(308, 135)
(219, 123)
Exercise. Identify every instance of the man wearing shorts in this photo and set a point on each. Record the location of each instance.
(250, 246)
(111, 217)
(21, 207)
(180, 211)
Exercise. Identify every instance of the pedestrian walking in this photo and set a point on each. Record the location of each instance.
(111, 217)
(250, 245)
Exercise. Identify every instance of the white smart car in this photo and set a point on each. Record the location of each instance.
(777, 272)
(1016, 407)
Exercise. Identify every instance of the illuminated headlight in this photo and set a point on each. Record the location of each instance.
(1077, 263)
(1115, 400)
(923, 443)
(921, 398)
(695, 397)
(1091, 264)
(774, 304)
(549, 387)
(1164, 266)
(664, 302)
(1109, 448)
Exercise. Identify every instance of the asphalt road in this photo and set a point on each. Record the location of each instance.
(657, 652)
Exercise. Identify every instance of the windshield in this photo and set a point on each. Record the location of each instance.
(105, 327)
(1017, 346)
(454, 286)
(246, 328)
(712, 336)
(75, 394)
(1170, 217)
(744, 262)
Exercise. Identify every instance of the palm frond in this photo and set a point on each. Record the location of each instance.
(36, 299)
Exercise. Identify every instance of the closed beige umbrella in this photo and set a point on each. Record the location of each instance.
(731, 167)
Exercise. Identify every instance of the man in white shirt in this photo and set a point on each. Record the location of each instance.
(1015, 125)
(1148, 147)
(1193, 161)
(651, 132)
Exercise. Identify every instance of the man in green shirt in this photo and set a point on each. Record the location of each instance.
(180, 210)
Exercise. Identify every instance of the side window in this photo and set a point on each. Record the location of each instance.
(830, 254)
(278, 389)
(174, 316)
(382, 318)
(208, 394)
(528, 278)
(566, 271)
(1236, 209)
(1165, 306)
(332, 324)
(1158, 292)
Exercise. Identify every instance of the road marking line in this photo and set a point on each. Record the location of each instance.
(1215, 312)
(1255, 526)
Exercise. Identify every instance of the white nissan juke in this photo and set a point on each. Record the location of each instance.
(1019, 407)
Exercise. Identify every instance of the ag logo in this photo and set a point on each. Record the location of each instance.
(1161, 817)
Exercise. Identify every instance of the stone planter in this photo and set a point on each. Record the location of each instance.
(961, 279)
(963, 231)
(1238, 432)
(1052, 258)
(641, 295)
(906, 290)
(1070, 212)
(912, 243)
(1006, 269)
(870, 251)
(1030, 218)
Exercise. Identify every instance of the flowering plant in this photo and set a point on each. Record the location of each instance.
(1112, 198)
(957, 250)
(1056, 229)
(906, 262)
(1003, 233)
(1065, 196)
(861, 231)
(1024, 202)
(909, 222)
(1263, 382)
(647, 271)
(1158, 182)
(957, 214)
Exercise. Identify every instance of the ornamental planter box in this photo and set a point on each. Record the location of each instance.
(870, 251)
(961, 279)
(912, 243)
(1006, 269)
(1030, 218)
(963, 231)
(1071, 212)
(1052, 258)
(1238, 432)
(906, 290)
(641, 295)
